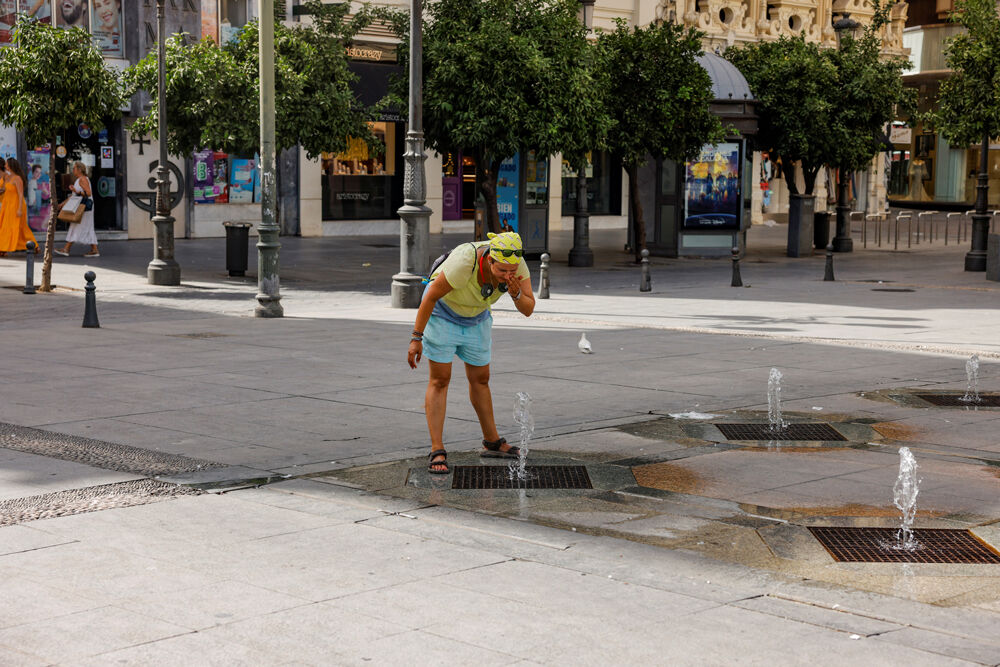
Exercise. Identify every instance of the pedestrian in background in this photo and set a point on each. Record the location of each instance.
(14, 230)
(83, 231)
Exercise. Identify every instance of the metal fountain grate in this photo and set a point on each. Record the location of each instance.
(955, 400)
(817, 431)
(537, 477)
(937, 545)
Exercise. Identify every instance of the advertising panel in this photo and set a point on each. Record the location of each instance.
(508, 181)
(220, 186)
(39, 190)
(203, 177)
(712, 188)
(72, 14)
(8, 16)
(241, 181)
(106, 26)
(39, 9)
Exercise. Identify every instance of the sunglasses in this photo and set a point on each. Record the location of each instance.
(507, 252)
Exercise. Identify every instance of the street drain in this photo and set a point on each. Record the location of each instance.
(88, 499)
(536, 477)
(935, 545)
(200, 334)
(955, 400)
(814, 432)
(892, 289)
(106, 455)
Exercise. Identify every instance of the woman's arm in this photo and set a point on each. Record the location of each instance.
(435, 291)
(85, 186)
(19, 185)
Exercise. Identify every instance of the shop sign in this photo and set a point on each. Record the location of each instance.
(377, 53)
(901, 134)
(353, 196)
(712, 188)
(507, 191)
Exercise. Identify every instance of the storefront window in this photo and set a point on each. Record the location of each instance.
(232, 18)
(603, 185)
(357, 184)
(536, 177)
(992, 172)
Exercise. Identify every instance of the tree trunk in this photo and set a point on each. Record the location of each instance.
(488, 186)
(633, 201)
(789, 172)
(810, 178)
(50, 228)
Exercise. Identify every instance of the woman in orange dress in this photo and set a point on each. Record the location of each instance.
(14, 230)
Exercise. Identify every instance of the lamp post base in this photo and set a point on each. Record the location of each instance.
(407, 290)
(581, 256)
(268, 307)
(163, 272)
(975, 261)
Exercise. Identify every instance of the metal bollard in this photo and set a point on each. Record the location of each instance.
(737, 278)
(877, 219)
(29, 263)
(947, 225)
(90, 307)
(828, 272)
(646, 285)
(922, 221)
(543, 277)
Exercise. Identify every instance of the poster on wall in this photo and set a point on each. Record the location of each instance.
(220, 187)
(241, 181)
(507, 191)
(203, 177)
(8, 142)
(72, 14)
(712, 188)
(257, 193)
(38, 9)
(106, 26)
(39, 190)
(8, 16)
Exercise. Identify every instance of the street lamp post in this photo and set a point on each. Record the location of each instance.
(414, 215)
(975, 259)
(581, 254)
(163, 269)
(842, 241)
(268, 292)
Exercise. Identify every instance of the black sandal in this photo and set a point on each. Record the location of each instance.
(493, 450)
(435, 453)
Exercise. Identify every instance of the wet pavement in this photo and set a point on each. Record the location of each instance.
(298, 452)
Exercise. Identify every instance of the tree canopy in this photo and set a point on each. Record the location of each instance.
(791, 81)
(968, 106)
(52, 79)
(659, 99)
(213, 95)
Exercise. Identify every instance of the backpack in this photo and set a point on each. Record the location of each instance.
(436, 264)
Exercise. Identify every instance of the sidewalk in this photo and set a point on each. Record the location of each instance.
(344, 555)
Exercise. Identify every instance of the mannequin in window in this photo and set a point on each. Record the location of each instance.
(918, 173)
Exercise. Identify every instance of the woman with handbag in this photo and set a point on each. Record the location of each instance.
(83, 231)
(14, 230)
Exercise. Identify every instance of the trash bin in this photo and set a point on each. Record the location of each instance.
(821, 229)
(237, 247)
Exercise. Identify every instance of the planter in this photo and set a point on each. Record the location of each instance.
(800, 225)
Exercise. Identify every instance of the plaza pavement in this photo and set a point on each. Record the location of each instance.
(314, 568)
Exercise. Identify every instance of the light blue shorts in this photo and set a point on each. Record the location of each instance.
(444, 339)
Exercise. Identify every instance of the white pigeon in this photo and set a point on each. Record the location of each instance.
(584, 344)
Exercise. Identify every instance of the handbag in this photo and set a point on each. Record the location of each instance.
(72, 210)
(88, 203)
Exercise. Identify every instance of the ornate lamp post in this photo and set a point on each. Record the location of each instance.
(163, 269)
(842, 241)
(581, 254)
(975, 259)
(414, 224)
(268, 294)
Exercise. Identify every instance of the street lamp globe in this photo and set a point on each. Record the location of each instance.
(845, 25)
(587, 13)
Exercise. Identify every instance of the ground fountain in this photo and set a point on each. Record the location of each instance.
(972, 380)
(904, 493)
(526, 422)
(777, 424)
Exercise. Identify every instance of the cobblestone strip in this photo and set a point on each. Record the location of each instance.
(106, 455)
(88, 499)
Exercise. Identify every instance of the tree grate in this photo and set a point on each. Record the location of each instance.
(955, 400)
(813, 432)
(874, 545)
(536, 477)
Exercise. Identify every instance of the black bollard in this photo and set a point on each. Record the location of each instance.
(90, 309)
(543, 280)
(737, 279)
(646, 285)
(828, 274)
(29, 264)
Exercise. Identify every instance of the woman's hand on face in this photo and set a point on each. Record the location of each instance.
(415, 352)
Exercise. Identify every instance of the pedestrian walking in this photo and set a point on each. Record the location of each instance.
(454, 319)
(83, 231)
(14, 230)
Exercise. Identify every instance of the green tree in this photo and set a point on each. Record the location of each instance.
(661, 100)
(502, 76)
(968, 105)
(791, 81)
(52, 79)
(213, 95)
